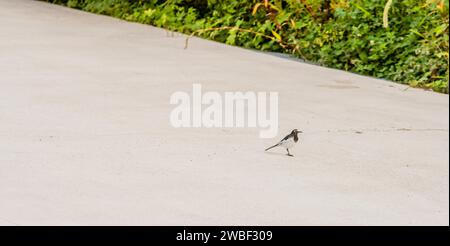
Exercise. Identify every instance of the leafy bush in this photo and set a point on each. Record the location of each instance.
(344, 34)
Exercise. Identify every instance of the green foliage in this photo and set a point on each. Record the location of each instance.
(344, 34)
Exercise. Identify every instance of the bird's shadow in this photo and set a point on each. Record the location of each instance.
(276, 153)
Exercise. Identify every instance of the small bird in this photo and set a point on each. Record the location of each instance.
(288, 142)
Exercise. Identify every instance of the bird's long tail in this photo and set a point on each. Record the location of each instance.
(272, 147)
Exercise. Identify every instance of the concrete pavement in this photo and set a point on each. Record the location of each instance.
(85, 137)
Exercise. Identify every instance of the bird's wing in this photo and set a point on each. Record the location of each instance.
(286, 138)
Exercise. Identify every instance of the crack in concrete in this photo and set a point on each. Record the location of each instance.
(360, 131)
(9, 221)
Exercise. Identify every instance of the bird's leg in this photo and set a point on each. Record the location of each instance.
(289, 154)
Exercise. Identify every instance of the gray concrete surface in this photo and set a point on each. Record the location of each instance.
(85, 137)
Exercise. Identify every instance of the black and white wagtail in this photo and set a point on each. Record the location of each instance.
(288, 142)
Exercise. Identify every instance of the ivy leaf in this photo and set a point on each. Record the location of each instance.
(440, 29)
